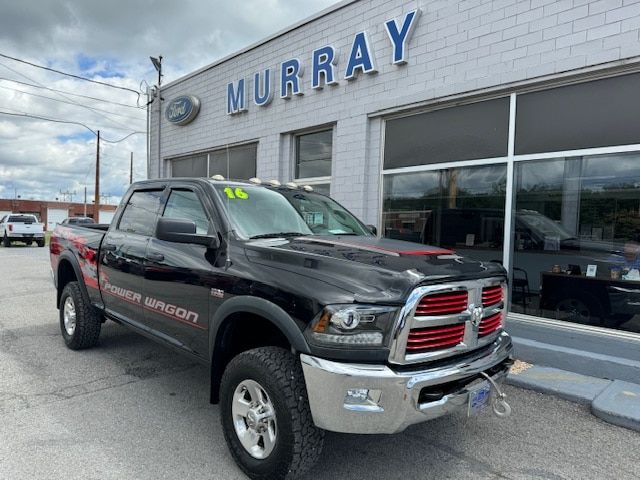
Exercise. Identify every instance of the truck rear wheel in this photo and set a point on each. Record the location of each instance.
(79, 321)
(265, 415)
(5, 241)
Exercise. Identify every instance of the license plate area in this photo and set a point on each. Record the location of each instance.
(479, 395)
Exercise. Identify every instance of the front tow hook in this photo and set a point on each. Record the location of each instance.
(500, 407)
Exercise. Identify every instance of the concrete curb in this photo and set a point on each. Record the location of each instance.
(614, 401)
(619, 404)
(567, 385)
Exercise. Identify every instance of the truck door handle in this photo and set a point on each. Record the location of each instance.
(156, 257)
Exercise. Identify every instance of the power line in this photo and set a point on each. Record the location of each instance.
(126, 127)
(70, 74)
(70, 122)
(70, 93)
(72, 103)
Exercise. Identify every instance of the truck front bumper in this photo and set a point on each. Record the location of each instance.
(360, 398)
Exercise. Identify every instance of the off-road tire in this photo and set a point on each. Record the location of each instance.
(299, 442)
(5, 241)
(40, 243)
(88, 321)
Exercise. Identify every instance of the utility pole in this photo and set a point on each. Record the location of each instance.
(157, 63)
(131, 170)
(96, 208)
(85, 200)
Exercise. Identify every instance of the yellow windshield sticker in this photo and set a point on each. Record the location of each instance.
(236, 193)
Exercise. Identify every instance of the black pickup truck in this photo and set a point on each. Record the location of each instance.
(307, 320)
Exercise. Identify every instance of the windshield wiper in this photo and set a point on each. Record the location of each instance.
(279, 234)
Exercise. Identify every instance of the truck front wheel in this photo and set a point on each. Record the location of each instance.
(79, 322)
(265, 415)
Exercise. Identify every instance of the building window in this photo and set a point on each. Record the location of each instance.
(193, 166)
(313, 155)
(576, 245)
(467, 132)
(573, 248)
(592, 114)
(237, 162)
(234, 162)
(458, 208)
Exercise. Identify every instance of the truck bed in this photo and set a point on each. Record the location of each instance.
(83, 243)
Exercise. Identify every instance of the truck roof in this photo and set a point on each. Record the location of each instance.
(255, 182)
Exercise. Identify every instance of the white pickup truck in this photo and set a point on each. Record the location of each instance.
(21, 228)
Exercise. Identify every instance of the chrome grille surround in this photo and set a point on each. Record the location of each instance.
(408, 320)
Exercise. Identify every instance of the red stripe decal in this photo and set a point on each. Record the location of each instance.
(177, 319)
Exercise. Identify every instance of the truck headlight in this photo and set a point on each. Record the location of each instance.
(353, 325)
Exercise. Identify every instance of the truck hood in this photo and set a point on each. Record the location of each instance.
(374, 270)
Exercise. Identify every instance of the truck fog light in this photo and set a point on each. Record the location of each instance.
(363, 400)
(357, 395)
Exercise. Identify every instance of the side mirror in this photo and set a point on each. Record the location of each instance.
(180, 230)
(373, 229)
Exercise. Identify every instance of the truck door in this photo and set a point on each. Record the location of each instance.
(122, 256)
(179, 276)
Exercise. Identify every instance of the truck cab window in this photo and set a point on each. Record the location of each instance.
(184, 204)
(139, 215)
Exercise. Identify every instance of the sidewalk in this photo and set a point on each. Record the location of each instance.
(614, 401)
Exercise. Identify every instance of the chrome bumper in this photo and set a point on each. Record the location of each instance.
(393, 400)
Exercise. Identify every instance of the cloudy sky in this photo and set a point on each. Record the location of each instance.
(110, 42)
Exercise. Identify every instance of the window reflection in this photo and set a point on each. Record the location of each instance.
(458, 208)
(576, 241)
(313, 154)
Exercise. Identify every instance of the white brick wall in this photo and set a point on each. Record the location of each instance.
(457, 47)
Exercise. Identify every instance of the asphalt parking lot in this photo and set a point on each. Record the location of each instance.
(131, 409)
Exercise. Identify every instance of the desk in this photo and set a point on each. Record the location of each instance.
(590, 300)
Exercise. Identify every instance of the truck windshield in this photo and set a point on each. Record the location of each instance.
(22, 219)
(259, 212)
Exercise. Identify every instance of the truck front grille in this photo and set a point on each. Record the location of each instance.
(448, 303)
(491, 295)
(490, 324)
(429, 338)
(439, 321)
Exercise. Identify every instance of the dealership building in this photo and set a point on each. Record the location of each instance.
(505, 130)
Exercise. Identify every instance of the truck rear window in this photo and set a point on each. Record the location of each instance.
(22, 219)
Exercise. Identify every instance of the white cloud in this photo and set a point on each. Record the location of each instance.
(39, 158)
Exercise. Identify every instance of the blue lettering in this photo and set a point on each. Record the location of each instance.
(399, 37)
(359, 58)
(236, 99)
(323, 65)
(262, 83)
(290, 73)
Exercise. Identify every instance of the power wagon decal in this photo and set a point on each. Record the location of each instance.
(175, 312)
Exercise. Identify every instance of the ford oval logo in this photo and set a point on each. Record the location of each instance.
(182, 110)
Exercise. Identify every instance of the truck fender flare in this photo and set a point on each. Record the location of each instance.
(70, 257)
(264, 308)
